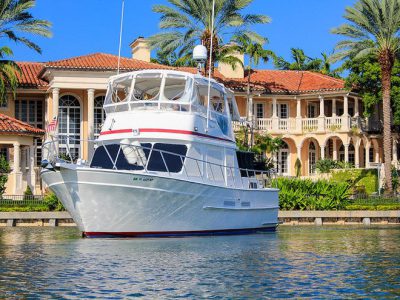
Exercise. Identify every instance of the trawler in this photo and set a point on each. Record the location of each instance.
(165, 164)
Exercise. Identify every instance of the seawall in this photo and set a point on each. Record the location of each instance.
(318, 218)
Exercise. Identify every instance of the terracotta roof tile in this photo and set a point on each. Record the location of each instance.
(102, 61)
(287, 82)
(265, 81)
(9, 125)
(29, 77)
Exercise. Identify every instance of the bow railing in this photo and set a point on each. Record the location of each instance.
(140, 159)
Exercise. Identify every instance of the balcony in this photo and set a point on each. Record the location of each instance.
(309, 125)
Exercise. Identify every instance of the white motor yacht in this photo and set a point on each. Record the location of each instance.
(165, 164)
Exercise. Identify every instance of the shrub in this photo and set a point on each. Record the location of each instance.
(28, 193)
(298, 194)
(297, 166)
(366, 180)
(326, 165)
(51, 201)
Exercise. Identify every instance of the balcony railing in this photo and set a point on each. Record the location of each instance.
(264, 124)
(309, 124)
(333, 123)
(287, 124)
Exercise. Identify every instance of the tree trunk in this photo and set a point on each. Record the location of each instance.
(250, 107)
(386, 62)
(206, 41)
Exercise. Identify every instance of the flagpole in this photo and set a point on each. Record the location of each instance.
(120, 35)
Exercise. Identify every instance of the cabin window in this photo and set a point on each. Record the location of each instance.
(173, 162)
(101, 159)
(147, 87)
(176, 88)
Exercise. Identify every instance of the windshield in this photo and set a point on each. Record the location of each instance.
(147, 87)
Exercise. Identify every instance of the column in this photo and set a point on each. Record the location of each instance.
(275, 119)
(345, 116)
(323, 152)
(321, 106)
(367, 149)
(17, 189)
(17, 153)
(250, 108)
(394, 152)
(334, 154)
(357, 155)
(56, 96)
(299, 152)
(356, 108)
(321, 118)
(346, 106)
(346, 152)
(333, 107)
(298, 115)
(32, 165)
(89, 145)
(274, 108)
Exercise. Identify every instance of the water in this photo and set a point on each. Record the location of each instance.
(303, 262)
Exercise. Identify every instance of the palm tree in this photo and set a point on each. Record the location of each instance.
(8, 74)
(301, 62)
(255, 52)
(172, 59)
(15, 20)
(188, 22)
(373, 28)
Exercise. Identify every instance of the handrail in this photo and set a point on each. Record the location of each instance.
(253, 176)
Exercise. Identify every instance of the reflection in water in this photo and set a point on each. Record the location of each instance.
(324, 262)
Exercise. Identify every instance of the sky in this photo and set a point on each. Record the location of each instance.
(81, 27)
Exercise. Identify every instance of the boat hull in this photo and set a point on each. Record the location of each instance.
(106, 203)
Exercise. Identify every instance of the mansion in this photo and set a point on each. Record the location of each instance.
(316, 115)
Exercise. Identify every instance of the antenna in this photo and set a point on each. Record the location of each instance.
(209, 65)
(120, 35)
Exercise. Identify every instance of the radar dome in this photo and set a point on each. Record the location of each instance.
(200, 53)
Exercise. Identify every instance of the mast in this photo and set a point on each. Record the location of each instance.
(120, 35)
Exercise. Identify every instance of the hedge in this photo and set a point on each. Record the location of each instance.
(300, 194)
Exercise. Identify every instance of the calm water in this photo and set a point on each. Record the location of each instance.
(305, 262)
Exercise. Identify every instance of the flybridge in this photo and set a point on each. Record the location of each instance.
(170, 91)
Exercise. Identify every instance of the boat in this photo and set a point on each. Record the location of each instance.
(165, 164)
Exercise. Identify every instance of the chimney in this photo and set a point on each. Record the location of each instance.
(227, 70)
(140, 49)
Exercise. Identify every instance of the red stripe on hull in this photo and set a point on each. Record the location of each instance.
(180, 233)
(162, 130)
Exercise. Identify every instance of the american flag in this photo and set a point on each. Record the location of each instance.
(52, 125)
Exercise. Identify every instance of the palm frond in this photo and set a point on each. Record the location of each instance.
(184, 23)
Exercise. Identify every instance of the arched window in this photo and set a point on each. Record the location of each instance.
(283, 160)
(312, 157)
(99, 114)
(69, 115)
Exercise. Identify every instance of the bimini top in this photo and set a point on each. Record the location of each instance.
(168, 90)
